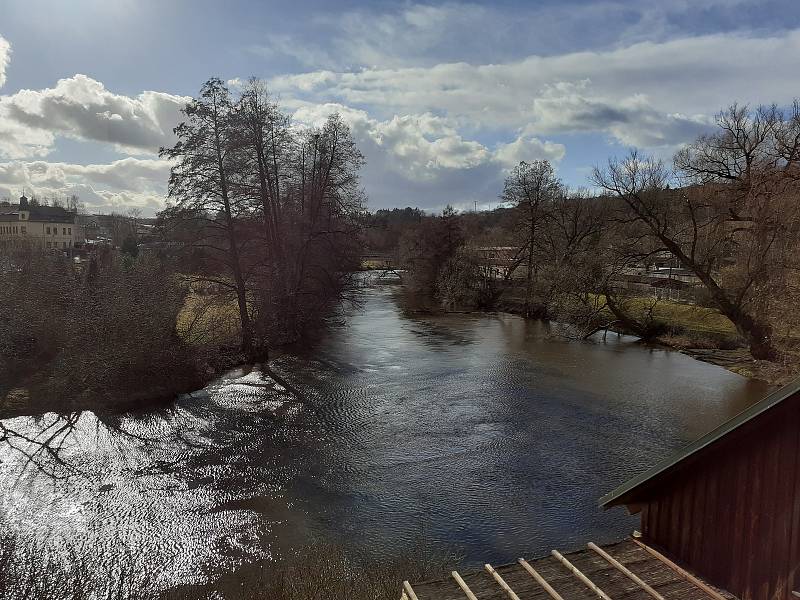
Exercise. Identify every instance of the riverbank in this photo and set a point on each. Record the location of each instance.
(705, 335)
(699, 332)
(740, 361)
(42, 391)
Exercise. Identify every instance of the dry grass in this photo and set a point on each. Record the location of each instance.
(697, 341)
(209, 320)
(370, 265)
(689, 319)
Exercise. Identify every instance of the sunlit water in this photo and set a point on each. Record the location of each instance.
(479, 430)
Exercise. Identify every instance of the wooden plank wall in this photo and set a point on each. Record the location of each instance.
(732, 512)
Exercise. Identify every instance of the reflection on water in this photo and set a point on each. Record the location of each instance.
(476, 429)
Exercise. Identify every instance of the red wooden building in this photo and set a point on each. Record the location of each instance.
(728, 505)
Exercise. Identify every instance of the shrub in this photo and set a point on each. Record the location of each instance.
(100, 335)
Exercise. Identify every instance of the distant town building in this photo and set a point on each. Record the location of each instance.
(50, 227)
(98, 228)
(502, 261)
(113, 229)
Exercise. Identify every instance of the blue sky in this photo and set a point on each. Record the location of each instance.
(443, 98)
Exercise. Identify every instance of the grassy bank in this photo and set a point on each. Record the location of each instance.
(696, 324)
(208, 319)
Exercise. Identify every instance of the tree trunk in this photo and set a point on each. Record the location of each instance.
(627, 321)
(241, 290)
(529, 282)
(757, 332)
(236, 267)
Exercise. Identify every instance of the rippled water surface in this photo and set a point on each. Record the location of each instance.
(481, 430)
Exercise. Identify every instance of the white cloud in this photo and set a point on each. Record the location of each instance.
(648, 93)
(633, 121)
(20, 141)
(82, 108)
(394, 39)
(528, 147)
(5, 56)
(129, 182)
(425, 146)
(422, 160)
(423, 35)
(360, 38)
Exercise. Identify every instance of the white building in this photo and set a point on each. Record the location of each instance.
(50, 227)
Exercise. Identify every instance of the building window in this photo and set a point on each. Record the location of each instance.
(49, 245)
(63, 231)
(63, 244)
(69, 232)
(48, 231)
(24, 229)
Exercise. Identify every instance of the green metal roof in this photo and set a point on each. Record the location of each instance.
(619, 495)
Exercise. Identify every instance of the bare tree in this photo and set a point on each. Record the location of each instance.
(323, 234)
(278, 205)
(268, 147)
(528, 188)
(427, 249)
(733, 218)
(203, 181)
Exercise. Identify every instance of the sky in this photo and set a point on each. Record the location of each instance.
(443, 98)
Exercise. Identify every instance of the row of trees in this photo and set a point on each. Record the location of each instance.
(266, 211)
(71, 203)
(727, 210)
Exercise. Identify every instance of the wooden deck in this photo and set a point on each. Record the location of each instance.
(626, 570)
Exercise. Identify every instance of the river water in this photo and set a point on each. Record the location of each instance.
(484, 431)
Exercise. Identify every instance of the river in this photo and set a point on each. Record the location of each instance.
(483, 431)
